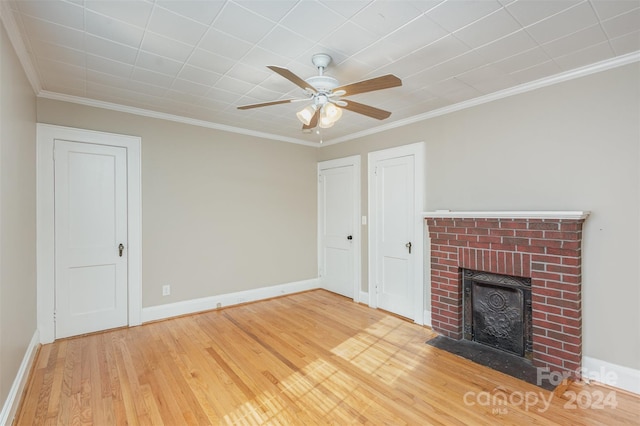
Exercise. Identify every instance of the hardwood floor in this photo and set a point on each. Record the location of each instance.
(308, 358)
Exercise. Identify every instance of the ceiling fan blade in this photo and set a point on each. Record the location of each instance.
(313, 123)
(367, 110)
(292, 78)
(378, 83)
(284, 101)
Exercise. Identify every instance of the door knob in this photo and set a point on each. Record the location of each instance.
(120, 249)
(408, 245)
(350, 237)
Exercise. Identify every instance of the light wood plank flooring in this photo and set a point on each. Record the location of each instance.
(305, 359)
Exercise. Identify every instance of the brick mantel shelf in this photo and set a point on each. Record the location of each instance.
(545, 246)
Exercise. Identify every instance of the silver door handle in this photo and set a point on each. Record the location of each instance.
(121, 249)
(408, 245)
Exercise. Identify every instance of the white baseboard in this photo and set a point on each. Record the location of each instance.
(154, 313)
(15, 393)
(364, 298)
(610, 374)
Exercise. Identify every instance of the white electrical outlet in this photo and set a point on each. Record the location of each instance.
(166, 290)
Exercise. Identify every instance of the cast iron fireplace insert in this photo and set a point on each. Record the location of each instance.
(497, 311)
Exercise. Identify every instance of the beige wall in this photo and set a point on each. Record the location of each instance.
(571, 146)
(221, 212)
(17, 215)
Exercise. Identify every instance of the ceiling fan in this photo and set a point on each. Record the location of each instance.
(325, 95)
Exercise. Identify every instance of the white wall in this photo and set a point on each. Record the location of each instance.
(570, 146)
(221, 212)
(17, 215)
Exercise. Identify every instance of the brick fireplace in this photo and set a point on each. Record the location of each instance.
(543, 246)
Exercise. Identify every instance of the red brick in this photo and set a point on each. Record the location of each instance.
(576, 349)
(484, 246)
(563, 252)
(464, 223)
(531, 249)
(539, 315)
(477, 231)
(561, 286)
(571, 313)
(570, 226)
(550, 343)
(572, 322)
(564, 337)
(487, 223)
(572, 279)
(550, 292)
(547, 308)
(545, 276)
(526, 264)
(560, 353)
(548, 359)
(570, 304)
(513, 225)
(549, 326)
(535, 242)
(551, 226)
(449, 249)
(538, 266)
(502, 232)
(571, 245)
(546, 259)
(552, 235)
(526, 233)
(573, 331)
(573, 261)
(489, 239)
(456, 230)
(573, 270)
(503, 247)
(515, 241)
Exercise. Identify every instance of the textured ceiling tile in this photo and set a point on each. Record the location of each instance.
(136, 13)
(564, 23)
(384, 17)
(299, 22)
(112, 29)
(453, 15)
(273, 10)
(198, 10)
(241, 23)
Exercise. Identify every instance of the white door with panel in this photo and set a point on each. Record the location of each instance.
(338, 226)
(396, 230)
(90, 237)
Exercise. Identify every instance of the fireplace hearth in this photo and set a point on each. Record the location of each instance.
(497, 311)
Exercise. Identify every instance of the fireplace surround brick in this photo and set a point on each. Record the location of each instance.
(546, 250)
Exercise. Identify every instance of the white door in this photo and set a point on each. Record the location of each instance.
(395, 234)
(396, 231)
(90, 237)
(338, 216)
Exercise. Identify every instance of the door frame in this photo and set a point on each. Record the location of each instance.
(417, 150)
(354, 161)
(45, 224)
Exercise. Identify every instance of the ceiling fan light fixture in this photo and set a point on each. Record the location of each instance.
(306, 114)
(329, 114)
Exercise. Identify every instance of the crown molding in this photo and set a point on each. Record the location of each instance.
(523, 88)
(170, 117)
(10, 25)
